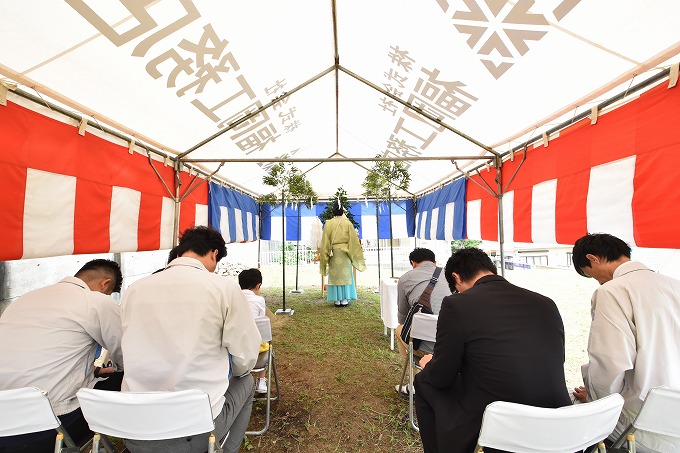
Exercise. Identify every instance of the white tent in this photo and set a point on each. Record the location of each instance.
(227, 88)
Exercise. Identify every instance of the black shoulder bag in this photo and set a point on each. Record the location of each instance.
(422, 306)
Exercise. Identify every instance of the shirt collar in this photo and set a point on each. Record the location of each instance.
(75, 281)
(629, 266)
(186, 261)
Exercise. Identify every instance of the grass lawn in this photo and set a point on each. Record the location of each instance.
(337, 377)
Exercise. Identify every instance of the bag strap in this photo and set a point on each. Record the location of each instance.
(424, 299)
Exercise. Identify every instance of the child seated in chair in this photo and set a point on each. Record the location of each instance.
(250, 281)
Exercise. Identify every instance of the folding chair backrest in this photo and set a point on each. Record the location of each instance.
(660, 413)
(147, 416)
(424, 326)
(25, 410)
(265, 327)
(527, 429)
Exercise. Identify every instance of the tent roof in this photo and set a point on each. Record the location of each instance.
(175, 73)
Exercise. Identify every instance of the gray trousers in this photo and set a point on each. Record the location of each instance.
(233, 419)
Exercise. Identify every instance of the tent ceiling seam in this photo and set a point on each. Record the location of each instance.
(594, 44)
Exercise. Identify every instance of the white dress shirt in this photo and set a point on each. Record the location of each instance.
(180, 328)
(258, 307)
(634, 342)
(48, 339)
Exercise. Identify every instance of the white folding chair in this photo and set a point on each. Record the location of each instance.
(528, 429)
(148, 416)
(424, 328)
(659, 415)
(28, 410)
(264, 326)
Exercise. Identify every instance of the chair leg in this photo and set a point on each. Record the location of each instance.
(411, 388)
(403, 371)
(107, 444)
(66, 443)
(276, 377)
(618, 443)
(270, 366)
(95, 442)
(59, 441)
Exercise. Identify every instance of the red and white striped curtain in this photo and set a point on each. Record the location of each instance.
(64, 194)
(617, 176)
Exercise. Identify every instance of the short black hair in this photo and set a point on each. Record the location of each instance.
(419, 254)
(337, 208)
(249, 278)
(101, 268)
(172, 254)
(467, 263)
(201, 240)
(602, 245)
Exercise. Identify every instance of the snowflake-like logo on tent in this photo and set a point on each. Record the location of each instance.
(499, 31)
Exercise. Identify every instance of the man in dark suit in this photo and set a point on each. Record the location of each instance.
(495, 342)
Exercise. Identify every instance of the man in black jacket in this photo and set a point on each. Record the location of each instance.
(495, 342)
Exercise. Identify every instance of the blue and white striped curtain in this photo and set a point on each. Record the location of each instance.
(364, 214)
(441, 214)
(233, 214)
(402, 220)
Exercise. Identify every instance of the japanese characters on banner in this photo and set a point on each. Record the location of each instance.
(195, 65)
(446, 100)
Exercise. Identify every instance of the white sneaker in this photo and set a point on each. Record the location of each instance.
(261, 385)
(344, 302)
(403, 390)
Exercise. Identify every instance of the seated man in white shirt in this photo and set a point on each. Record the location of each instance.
(189, 328)
(48, 340)
(634, 342)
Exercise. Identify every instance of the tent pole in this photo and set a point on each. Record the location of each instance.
(420, 111)
(178, 184)
(259, 238)
(499, 196)
(340, 158)
(297, 252)
(389, 210)
(256, 112)
(283, 311)
(377, 241)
